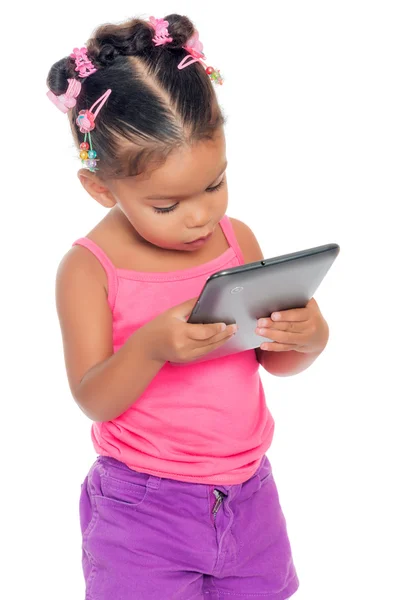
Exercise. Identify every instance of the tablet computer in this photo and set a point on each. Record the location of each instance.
(244, 294)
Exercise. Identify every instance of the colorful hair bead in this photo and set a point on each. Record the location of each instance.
(91, 163)
(88, 157)
(214, 75)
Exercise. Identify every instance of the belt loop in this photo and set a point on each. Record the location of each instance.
(153, 482)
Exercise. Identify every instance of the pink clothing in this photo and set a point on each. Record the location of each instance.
(204, 423)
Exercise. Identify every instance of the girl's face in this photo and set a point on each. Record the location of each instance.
(182, 200)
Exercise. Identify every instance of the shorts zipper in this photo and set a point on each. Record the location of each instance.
(219, 499)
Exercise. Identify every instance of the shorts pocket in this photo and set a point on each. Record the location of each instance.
(124, 493)
(87, 512)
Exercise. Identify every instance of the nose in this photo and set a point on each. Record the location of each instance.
(198, 220)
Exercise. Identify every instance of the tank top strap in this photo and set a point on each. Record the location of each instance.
(229, 233)
(107, 265)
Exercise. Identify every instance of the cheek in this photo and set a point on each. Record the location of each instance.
(157, 229)
(142, 220)
(220, 206)
(224, 201)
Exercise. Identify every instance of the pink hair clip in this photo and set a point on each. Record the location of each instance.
(83, 64)
(162, 34)
(195, 49)
(86, 124)
(68, 100)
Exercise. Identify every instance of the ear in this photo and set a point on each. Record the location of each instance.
(96, 188)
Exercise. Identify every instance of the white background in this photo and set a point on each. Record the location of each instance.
(311, 94)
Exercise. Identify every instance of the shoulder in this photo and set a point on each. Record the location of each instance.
(81, 264)
(247, 241)
(79, 268)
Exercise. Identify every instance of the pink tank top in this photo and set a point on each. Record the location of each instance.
(203, 423)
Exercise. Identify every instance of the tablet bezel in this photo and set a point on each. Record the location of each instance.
(332, 248)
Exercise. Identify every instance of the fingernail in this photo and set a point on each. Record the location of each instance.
(222, 326)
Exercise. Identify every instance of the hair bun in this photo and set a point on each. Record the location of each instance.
(180, 29)
(126, 39)
(60, 72)
(133, 38)
(106, 55)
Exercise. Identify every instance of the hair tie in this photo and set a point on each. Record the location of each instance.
(66, 101)
(162, 35)
(83, 64)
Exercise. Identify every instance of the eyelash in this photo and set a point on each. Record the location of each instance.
(171, 208)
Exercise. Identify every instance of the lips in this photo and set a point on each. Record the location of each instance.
(199, 239)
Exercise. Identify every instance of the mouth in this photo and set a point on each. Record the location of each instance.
(199, 240)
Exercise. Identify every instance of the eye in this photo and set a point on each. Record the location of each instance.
(217, 187)
(171, 208)
(165, 210)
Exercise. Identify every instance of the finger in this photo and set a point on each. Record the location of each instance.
(200, 332)
(207, 347)
(283, 337)
(275, 347)
(220, 337)
(184, 310)
(294, 314)
(293, 326)
(312, 303)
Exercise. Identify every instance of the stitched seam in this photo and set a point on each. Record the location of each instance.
(105, 263)
(252, 594)
(221, 482)
(178, 277)
(105, 480)
(233, 241)
(94, 520)
(116, 288)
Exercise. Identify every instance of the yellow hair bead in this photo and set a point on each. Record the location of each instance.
(83, 154)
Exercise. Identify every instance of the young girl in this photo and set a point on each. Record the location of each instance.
(180, 502)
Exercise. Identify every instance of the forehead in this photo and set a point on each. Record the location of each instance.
(187, 168)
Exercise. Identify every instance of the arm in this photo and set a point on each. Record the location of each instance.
(109, 388)
(284, 364)
(102, 383)
(277, 363)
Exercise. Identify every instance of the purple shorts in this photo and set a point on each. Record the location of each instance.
(151, 538)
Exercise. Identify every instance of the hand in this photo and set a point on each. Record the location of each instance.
(171, 338)
(301, 329)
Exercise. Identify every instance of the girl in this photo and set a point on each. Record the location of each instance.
(180, 502)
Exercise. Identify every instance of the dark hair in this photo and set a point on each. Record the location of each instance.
(153, 108)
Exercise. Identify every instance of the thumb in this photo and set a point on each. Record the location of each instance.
(182, 311)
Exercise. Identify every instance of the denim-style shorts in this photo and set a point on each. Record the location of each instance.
(152, 538)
